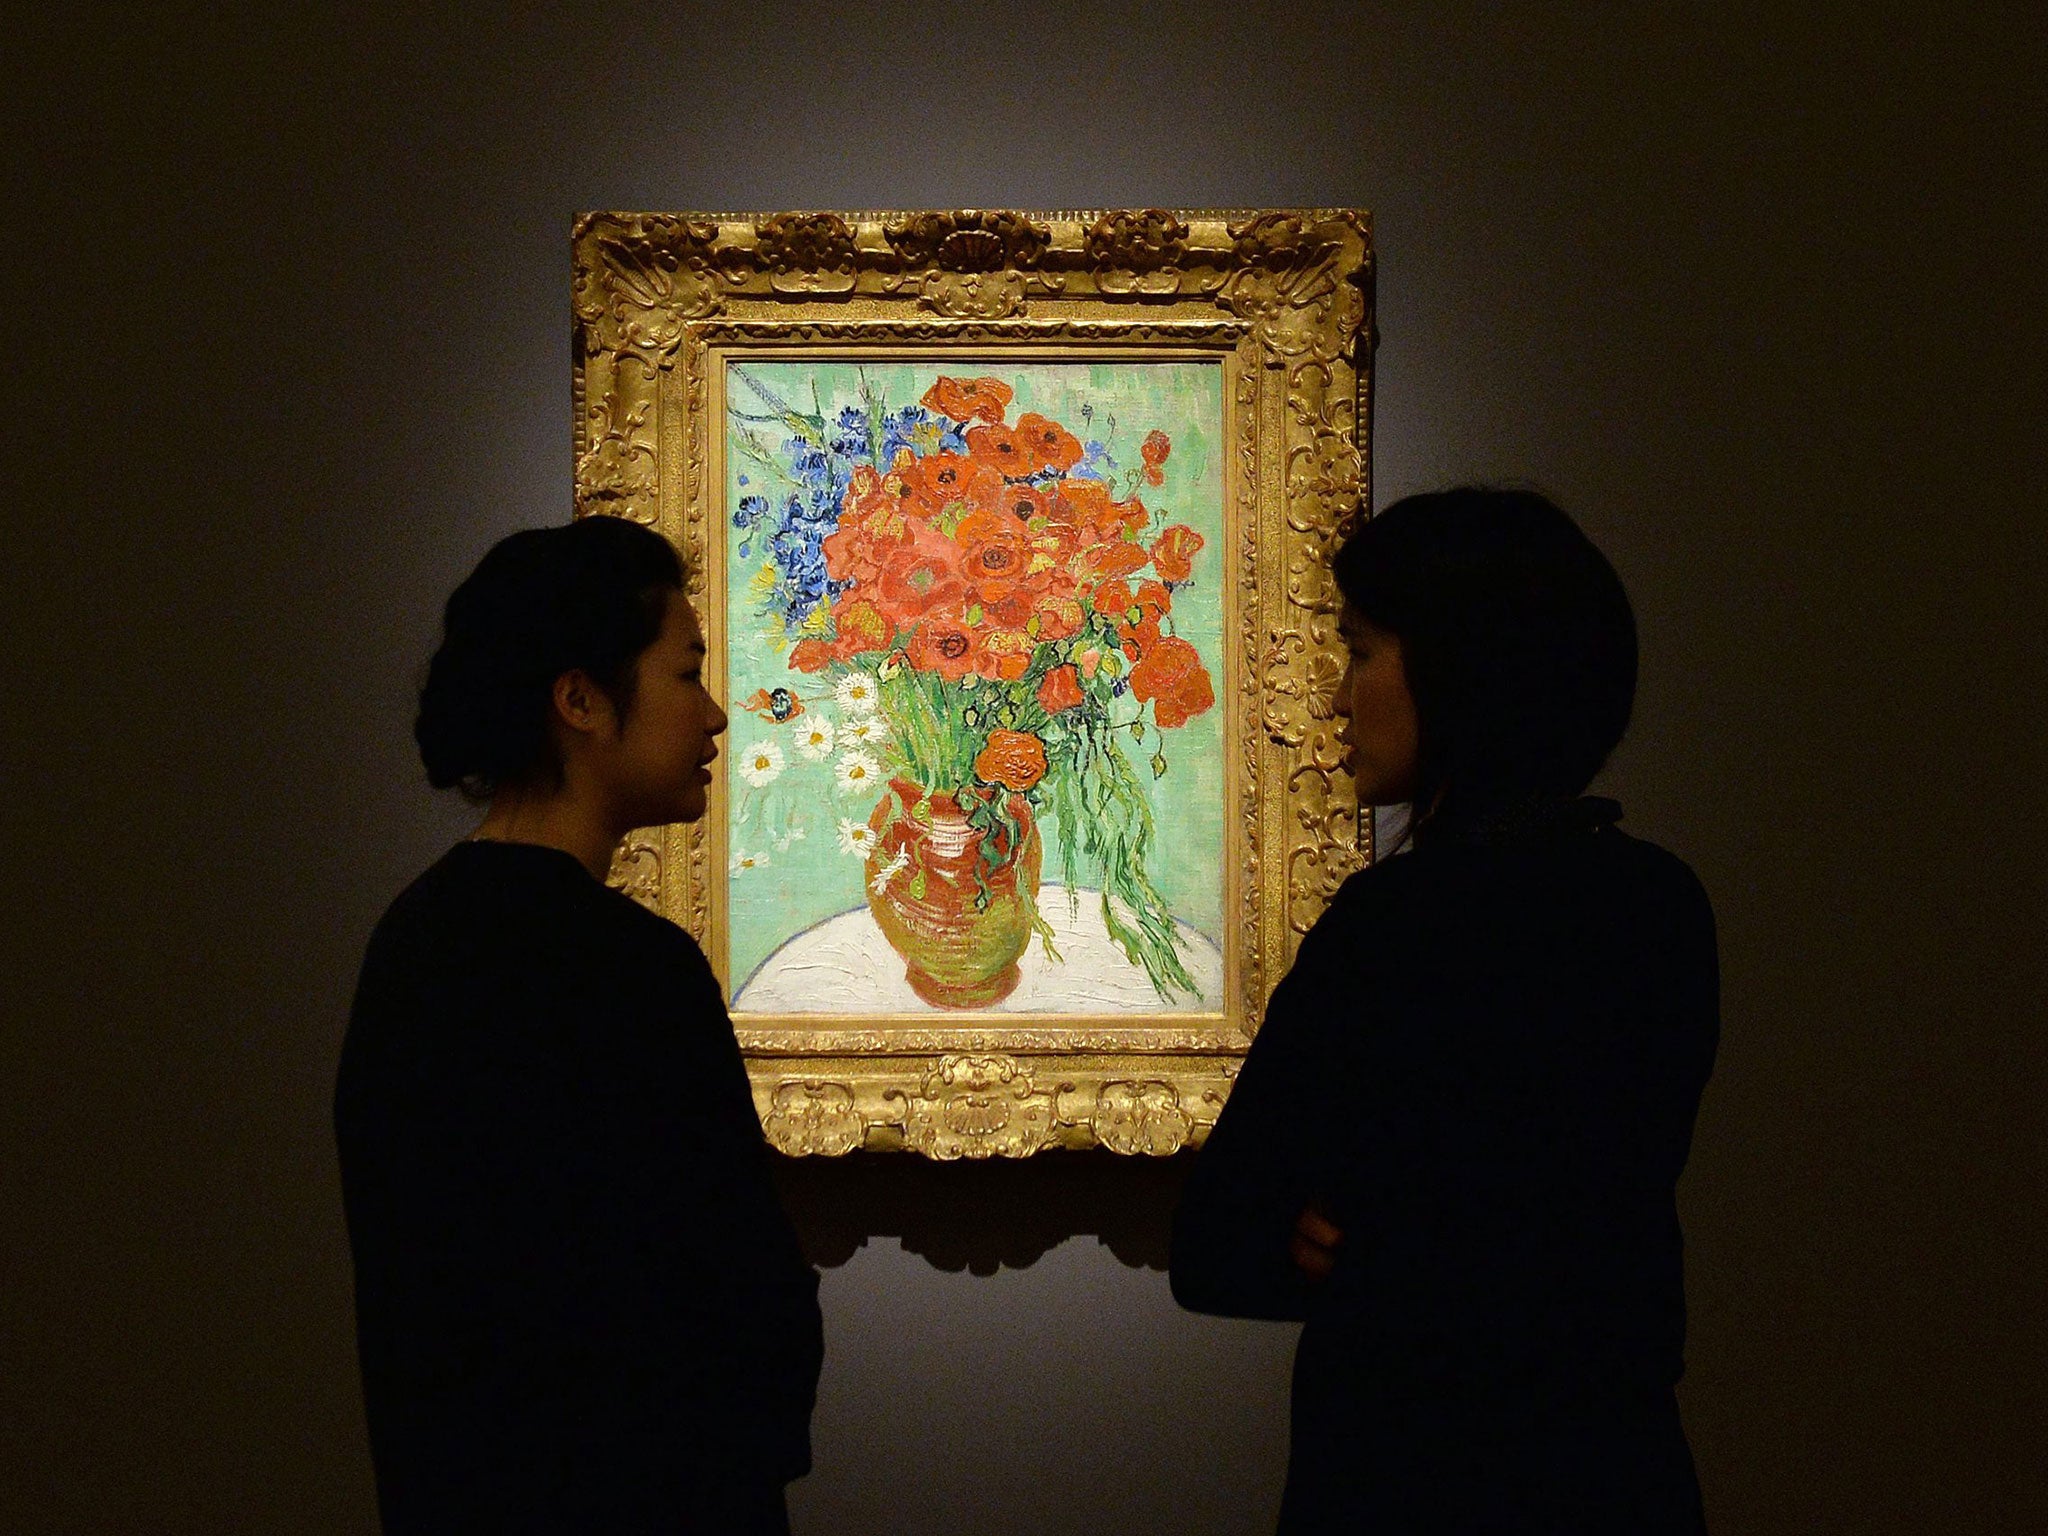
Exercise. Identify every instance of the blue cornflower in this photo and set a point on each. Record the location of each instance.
(1096, 462)
(915, 428)
(848, 436)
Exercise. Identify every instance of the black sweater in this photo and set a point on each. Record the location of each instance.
(1485, 1065)
(578, 1303)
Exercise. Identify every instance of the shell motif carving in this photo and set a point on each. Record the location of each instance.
(977, 1106)
(969, 241)
(1141, 1119)
(809, 1118)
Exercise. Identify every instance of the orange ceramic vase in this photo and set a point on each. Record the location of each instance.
(955, 956)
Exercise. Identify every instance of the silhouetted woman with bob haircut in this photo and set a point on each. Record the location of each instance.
(578, 1305)
(1453, 1148)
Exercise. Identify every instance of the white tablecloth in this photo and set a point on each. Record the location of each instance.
(845, 965)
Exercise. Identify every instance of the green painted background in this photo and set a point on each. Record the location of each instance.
(812, 879)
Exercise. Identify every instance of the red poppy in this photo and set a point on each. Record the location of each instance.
(1013, 759)
(810, 656)
(948, 479)
(875, 519)
(995, 554)
(1130, 513)
(862, 627)
(854, 552)
(1056, 612)
(1046, 444)
(865, 482)
(1054, 542)
(1086, 506)
(1012, 611)
(1022, 502)
(1138, 638)
(1108, 560)
(919, 576)
(1060, 690)
(903, 486)
(1004, 654)
(996, 446)
(1173, 552)
(1171, 676)
(968, 399)
(1154, 601)
(1113, 597)
(944, 645)
(1157, 446)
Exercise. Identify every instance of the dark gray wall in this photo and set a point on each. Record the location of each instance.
(287, 345)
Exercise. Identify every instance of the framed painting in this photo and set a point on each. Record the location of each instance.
(1009, 534)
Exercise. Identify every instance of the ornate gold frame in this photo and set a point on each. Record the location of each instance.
(1283, 298)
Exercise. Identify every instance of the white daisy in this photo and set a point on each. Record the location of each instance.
(856, 838)
(742, 862)
(814, 740)
(761, 763)
(795, 834)
(856, 771)
(889, 870)
(860, 731)
(857, 693)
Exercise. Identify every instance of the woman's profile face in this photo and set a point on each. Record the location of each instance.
(1381, 737)
(661, 756)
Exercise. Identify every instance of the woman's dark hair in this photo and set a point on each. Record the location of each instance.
(1519, 642)
(544, 601)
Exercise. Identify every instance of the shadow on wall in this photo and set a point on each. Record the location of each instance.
(983, 1216)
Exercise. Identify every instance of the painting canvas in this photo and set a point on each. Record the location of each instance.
(973, 627)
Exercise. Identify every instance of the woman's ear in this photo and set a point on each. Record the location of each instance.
(580, 704)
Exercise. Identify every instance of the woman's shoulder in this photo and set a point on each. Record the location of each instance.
(659, 940)
(1649, 871)
(528, 903)
(1451, 887)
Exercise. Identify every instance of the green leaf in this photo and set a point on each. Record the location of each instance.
(917, 885)
(923, 809)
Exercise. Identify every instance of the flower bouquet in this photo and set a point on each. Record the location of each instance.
(989, 603)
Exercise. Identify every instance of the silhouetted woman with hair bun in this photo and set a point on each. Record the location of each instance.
(579, 1306)
(1453, 1148)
